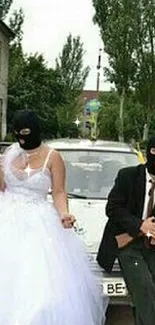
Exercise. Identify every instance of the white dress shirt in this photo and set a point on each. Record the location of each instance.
(148, 185)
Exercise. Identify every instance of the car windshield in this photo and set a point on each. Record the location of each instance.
(91, 174)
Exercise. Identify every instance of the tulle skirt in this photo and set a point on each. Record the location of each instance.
(45, 277)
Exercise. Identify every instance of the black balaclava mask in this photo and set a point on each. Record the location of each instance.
(27, 119)
(150, 157)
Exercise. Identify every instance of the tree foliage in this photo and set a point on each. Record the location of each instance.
(4, 8)
(73, 76)
(108, 116)
(116, 20)
(108, 121)
(35, 86)
(145, 56)
(70, 66)
(127, 29)
(16, 24)
(117, 23)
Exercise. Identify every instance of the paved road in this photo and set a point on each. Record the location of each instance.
(119, 315)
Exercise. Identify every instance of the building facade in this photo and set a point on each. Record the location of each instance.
(5, 36)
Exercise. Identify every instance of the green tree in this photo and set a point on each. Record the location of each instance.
(128, 31)
(70, 66)
(108, 121)
(31, 84)
(16, 64)
(108, 116)
(134, 118)
(118, 25)
(145, 56)
(37, 88)
(4, 8)
(44, 92)
(73, 76)
(16, 59)
(16, 24)
(52, 93)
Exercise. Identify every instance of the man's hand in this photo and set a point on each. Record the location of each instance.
(68, 220)
(148, 227)
(123, 240)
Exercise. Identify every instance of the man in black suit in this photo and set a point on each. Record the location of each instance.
(130, 234)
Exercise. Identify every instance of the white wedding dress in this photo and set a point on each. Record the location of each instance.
(45, 277)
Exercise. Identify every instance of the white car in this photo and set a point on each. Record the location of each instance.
(91, 169)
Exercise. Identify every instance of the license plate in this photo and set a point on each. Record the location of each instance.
(114, 287)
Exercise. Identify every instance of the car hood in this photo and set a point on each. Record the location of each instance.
(91, 220)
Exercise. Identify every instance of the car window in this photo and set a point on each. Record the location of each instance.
(92, 173)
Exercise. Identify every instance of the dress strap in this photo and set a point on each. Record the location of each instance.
(47, 159)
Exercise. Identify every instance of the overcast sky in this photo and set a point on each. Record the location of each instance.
(48, 23)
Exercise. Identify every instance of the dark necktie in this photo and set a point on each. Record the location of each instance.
(151, 200)
(149, 241)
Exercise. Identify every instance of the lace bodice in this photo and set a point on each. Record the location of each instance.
(35, 184)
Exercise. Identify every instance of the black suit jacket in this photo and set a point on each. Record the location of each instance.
(124, 210)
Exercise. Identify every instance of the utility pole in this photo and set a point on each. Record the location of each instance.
(98, 70)
(94, 114)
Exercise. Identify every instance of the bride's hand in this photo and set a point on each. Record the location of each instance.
(67, 220)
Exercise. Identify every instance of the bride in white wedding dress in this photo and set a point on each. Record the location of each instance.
(45, 278)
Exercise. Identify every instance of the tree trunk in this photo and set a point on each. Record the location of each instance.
(147, 125)
(121, 117)
(145, 131)
(3, 111)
